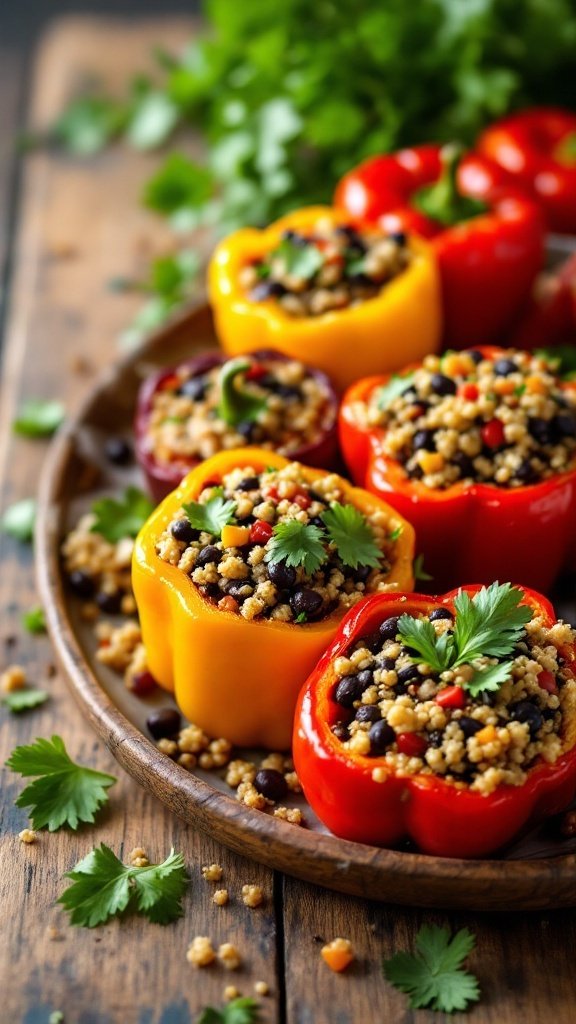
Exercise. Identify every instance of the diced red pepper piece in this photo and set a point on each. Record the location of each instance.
(302, 500)
(255, 372)
(451, 697)
(492, 433)
(260, 532)
(547, 680)
(411, 744)
(271, 492)
(469, 392)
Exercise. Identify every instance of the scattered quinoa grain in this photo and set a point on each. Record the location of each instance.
(261, 988)
(212, 873)
(169, 747)
(13, 678)
(293, 815)
(200, 952)
(27, 835)
(229, 956)
(252, 895)
(138, 858)
(230, 992)
(220, 897)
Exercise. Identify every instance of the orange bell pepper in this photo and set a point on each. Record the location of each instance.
(236, 678)
(401, 323)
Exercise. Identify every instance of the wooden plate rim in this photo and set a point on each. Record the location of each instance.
(355, 868)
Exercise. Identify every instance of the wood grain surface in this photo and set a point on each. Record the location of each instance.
(78, 225)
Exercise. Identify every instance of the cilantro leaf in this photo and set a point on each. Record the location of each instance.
(34, 620)
(102, 886)
(352, 536)
(295, 544)
(210, 516)
(301, 261)
(395, 535)
(490, 678)
(63, 793)
(24, 700)
(153, 120)
(436, 651)
(89, 123)
(38, 418)
(19, 519)
(395, 387)
(240, 1011)
(180, 184)
(123, 518)
(490, 623)
(419, 570)
(433, 976)
(235, 405)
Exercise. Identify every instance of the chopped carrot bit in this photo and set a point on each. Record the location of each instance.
(338, 954)
(535, 385)
(430, 462)
(457, 365)
(486, 735)
(235, 536)
(503, 386)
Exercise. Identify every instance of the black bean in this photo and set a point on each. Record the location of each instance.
(182, 529)
(440, 613)
(288, 392)
(249, 483)
(526, 472)
(348, 690)
(504, 367)
(410, 651)
(305, 601)
(464, 464)
(282, 575)
(475, 355)
(442, 385)
(246, 429)
(82, 584)
(416, 473)
(314, 496)
(381, 736)
(565, 424)
(316, 521)
(470, 726)
(399, 237)
(118, 451)
(362, 573)
(365, 678)
(233, 588)
(194, 388)
(164, 724)
(208, 554)
(270, 784)
(109, 603)
(408, 673)
(387, 664)
(368, 713)
(389, 628)
(340, 731)
(541, 430)
(266, 290)
(435, 738)
(488, 697)
(424, 439)
(373, 641)
(527, 712)
(211, 591)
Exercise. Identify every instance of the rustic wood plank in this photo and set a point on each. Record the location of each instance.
(524, 963)
(80, 225)
(12, 73)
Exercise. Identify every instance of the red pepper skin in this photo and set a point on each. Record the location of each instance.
(528, 146)
(441, 819)
(164, 477)
(487, 264)
(477, 531)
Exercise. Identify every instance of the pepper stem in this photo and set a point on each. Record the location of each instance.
(237, 406)
(443, 201)
(565, 151)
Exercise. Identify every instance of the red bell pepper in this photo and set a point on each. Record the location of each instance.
(439, 817)
(538, 148)
(549, 316)
(487, 235)
(466, 531)
(163, 476)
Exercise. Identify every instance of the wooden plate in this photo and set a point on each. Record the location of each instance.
(536, 873)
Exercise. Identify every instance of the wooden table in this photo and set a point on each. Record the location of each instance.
(76, 225)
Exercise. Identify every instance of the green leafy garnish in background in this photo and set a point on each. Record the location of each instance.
(419, 570)
(239, 1011)
(352, 536)
(63, 793)
(19, 520)
(561, 359)
(34, 620)
(210, 516)
(38, 418)
(24, 700)
(395, 387)
(301, 261)
(102, 886)
(124, 518)
(295, 544)
(433, 976)
(237, 405)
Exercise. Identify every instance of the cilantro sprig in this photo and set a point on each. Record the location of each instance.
(102, 887)
(295, 544)
(34, 620)
(210, 516)
(38, 418)
(237, 405)
(300, 260)
(19, 519)
(115, 520)
(307, 545)
(433, 976)
(24, 700)
(487, 625)
(395, 387)
(240, 1011)
(63, 792)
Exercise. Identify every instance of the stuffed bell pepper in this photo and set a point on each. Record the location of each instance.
(242, 576)
(488, 237)
(209, 404)
(478, 450)
(450, 721)
(537, 148)
(350, 300)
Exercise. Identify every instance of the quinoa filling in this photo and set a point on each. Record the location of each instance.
(506, 421)
(329, 268)
(390, 705)
(292, 409)
(271, 546)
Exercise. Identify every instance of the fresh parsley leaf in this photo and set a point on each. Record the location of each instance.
(295, 544)
(301, 261)
(63, 793)
(24, 700)
(352, 535)
(34, 620)
(395, 387)
(102, 886)
(210, 516)
(89, 123)
(560, 358)
(419, 570)
(490, 623)
(124, 518)
(180, 184)
(19, 519)
(436, 651)
(153, 120)
(433, 976)
(395, 535)
(37, 418)
(490, 678)
(236, 405)
(240, 1011)
(301, 617)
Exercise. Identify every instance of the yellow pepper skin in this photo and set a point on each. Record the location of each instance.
(401, 324)
(232, 677)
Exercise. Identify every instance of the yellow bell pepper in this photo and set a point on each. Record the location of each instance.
(399, 325)
(236, 678)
